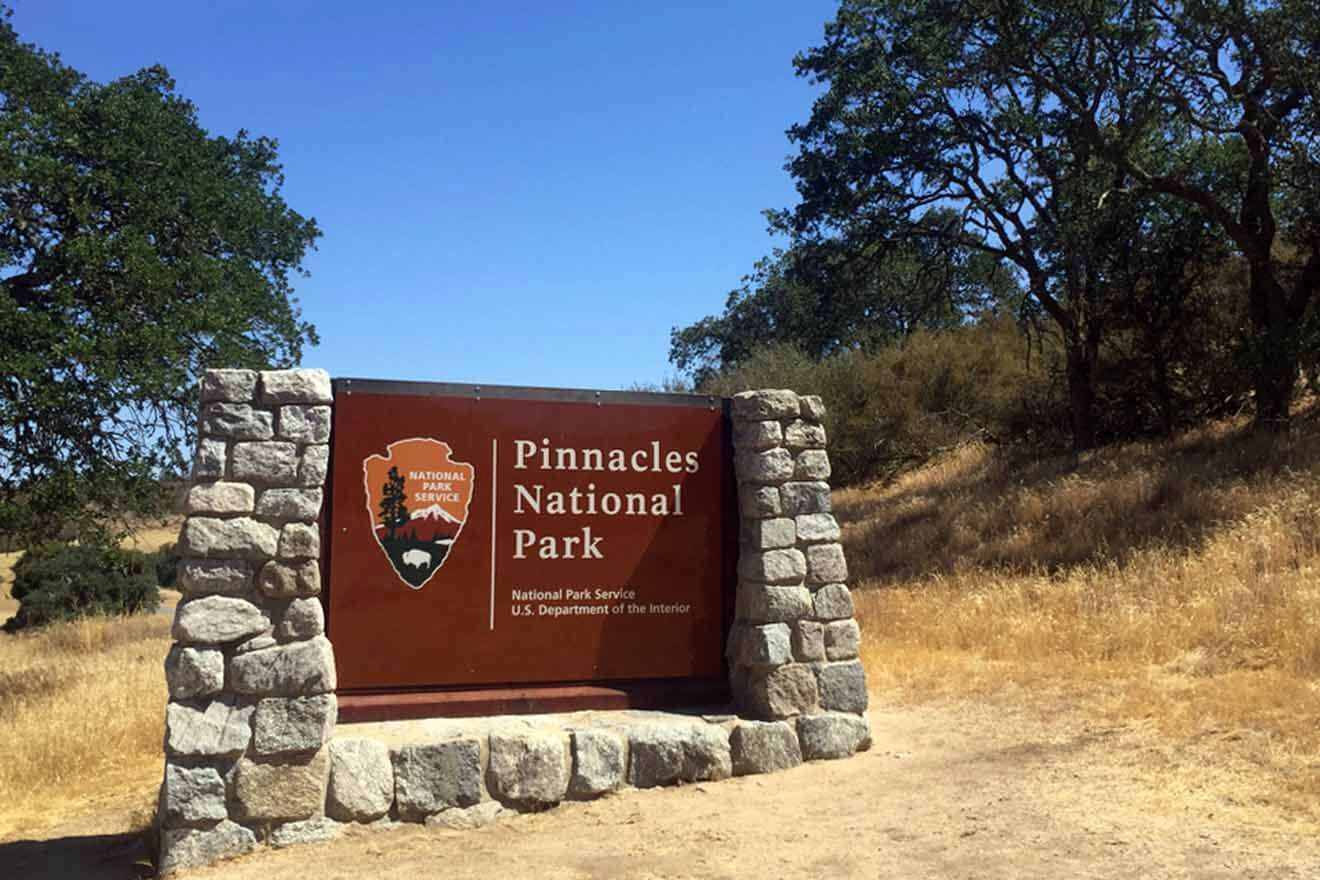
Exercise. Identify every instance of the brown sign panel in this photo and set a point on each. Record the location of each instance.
(505, 537)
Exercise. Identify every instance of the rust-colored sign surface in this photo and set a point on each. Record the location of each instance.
(506, 540)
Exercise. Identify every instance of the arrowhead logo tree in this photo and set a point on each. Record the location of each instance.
(418, 498)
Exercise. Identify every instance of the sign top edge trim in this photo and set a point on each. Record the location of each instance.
(349, 385)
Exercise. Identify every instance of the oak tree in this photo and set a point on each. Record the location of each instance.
(136, 249)
(923, 109)
(822, 298)
(1029, 117)
(1243, 77)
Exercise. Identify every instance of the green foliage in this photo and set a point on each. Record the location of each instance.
(165, 563)
(923, 107)
(1240, 81)
(136, 250)
(1030, 116)
(57, 581)
(673, 383)
(821, 299)
(1148, 173)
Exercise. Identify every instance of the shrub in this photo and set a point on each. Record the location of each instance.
(897, 406)
(57, 581)
(166, 563)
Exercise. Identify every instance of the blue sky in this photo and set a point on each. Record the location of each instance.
(530, 193)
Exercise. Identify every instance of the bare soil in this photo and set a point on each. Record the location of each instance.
(953, 790)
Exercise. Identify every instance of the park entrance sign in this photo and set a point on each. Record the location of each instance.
(487, 540)
(369, 551)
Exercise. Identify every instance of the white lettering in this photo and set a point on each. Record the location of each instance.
(520, 494)
(522, 449)
(585, 545)
(522, 539)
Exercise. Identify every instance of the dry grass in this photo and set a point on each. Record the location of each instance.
(82, 711)
(82, 716)
(8, 605)
(1175, 585)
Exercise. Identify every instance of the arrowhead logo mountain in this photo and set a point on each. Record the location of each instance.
(418, 498)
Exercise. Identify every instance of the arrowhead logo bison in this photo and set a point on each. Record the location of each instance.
(418, 499)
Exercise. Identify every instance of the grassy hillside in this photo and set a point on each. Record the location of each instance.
(1173, 584)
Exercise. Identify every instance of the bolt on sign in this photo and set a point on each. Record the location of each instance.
(507, 537)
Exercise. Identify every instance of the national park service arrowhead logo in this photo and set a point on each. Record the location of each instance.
(418, 499)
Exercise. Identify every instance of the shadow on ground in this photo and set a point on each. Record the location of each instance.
(99, 856)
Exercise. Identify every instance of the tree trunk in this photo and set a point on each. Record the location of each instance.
(1081, 394)
(1276, 379)
(1276, 371)
(1163, 393)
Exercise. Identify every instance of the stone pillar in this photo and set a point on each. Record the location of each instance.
(251, 674)
(793, 649)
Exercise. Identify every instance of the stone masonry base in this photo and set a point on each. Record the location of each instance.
(462, 773)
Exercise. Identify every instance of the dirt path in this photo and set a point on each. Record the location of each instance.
(946, 792)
